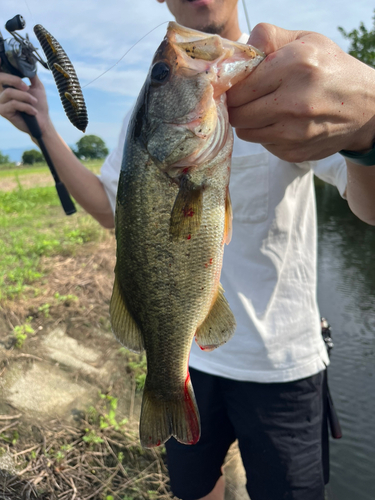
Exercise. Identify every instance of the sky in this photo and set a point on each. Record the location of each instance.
(97, 34)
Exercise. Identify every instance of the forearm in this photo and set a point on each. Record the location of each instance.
(81, 183)
(360, 191)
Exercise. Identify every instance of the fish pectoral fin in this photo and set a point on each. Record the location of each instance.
(228, 219)
(219, 325)
(162, 419)
(123, 324)
(186, 213)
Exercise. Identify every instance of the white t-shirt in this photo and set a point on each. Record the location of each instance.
(269, 270)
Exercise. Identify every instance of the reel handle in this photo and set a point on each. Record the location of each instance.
(15, 24)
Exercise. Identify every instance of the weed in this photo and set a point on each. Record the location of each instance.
(11, 438)
(91, 437)
(45, 309)
(67, 299)
(20, 332)
(138, 366)
(109, 419)
(32, 226)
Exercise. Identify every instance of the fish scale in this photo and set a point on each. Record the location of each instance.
(173, 217)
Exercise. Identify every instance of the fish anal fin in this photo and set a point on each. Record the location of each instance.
(218, 326)
(162, 419)
(123, 325)
(228, 219)
(186, 213)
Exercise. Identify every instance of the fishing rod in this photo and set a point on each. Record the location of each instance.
(19, 57)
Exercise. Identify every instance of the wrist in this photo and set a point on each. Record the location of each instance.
(366, 158)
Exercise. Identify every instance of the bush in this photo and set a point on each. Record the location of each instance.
(4, 159)
(32, 156)
(91, 147)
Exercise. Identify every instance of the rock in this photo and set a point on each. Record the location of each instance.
(45, 390)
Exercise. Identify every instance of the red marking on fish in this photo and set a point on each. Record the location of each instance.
(189, 236)
(191, 413)
(211, 261)
(185, 170)
(188, 212)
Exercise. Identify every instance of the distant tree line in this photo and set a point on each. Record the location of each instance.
(4, 159)
(89, 147)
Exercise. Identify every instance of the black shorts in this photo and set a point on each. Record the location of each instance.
(281, 431)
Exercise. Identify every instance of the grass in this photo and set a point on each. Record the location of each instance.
(98, 459)
(9, 169)
(32, 226)
(54, 270)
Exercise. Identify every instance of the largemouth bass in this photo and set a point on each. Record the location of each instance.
(173, 216)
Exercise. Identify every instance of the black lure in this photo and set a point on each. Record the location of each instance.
(65, 78)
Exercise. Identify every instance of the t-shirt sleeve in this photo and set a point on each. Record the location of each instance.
(110, 171)
(332, 170)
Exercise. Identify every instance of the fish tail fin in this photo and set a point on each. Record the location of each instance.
(162, 419)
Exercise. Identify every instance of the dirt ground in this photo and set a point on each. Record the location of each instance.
(64, 368)
(26, 180)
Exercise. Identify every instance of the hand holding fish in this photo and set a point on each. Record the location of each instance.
(307, 100)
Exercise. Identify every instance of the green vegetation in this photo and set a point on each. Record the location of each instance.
(20, 332)
(4, 159)
(137, 366)
(10, 169)
(362, 43)
(103, 462)
(91, 147)
(32, 226)
(32, 156)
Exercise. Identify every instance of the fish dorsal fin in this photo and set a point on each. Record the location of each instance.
(123, 325)
(228, 219)
(186, 213)
(219, 325)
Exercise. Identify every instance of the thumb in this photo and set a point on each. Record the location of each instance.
(270, 38)
(36, 82)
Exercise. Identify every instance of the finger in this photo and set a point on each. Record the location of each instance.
(13, 81)
(270, 38)
(12, 94)
(9, 109)
(36, 82)
(268, 76)
(260, 135)
(255, 115)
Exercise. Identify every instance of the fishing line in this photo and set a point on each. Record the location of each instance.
(28, 8)
(247, 16)
(136, 43)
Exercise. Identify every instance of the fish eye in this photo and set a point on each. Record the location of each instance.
(160, 73)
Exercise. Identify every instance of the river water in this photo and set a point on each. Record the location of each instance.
(346, 295)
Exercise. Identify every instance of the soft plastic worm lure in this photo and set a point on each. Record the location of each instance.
(65, 78)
